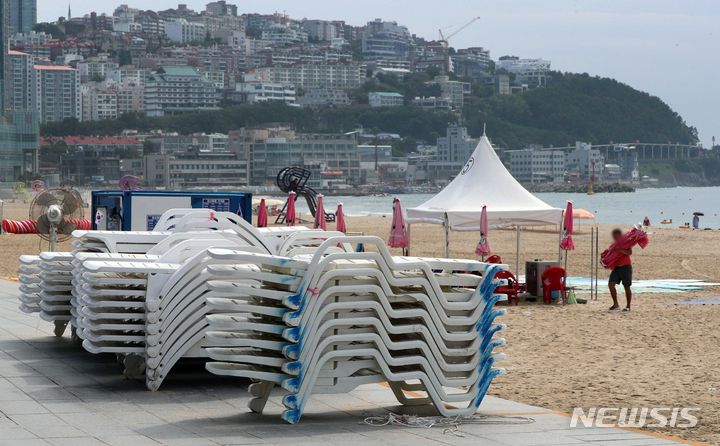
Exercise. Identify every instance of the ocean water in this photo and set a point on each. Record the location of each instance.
(677, 204)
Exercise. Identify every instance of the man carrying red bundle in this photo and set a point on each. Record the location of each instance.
(622, 270)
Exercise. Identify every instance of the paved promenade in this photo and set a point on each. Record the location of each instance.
(53, 392)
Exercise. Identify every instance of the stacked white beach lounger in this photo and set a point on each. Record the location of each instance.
(29, 276)
(330, 322)
(288, 307)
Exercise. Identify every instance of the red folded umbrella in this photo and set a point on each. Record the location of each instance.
(398, 233)
(567, 243)
(290, 210)
(483, 247)
(636, 236)
(262, 219)
(320, 215)
(340, 219)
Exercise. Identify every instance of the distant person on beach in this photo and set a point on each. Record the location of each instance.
(696, 221)
(646, 221)
(621, 274)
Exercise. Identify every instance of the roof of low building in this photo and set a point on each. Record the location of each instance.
(179, 70)
(91, 140)
(389, 94)
(53, 68)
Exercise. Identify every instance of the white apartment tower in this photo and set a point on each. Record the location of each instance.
(56, 93)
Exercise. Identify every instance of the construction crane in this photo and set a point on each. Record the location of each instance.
(445, 40)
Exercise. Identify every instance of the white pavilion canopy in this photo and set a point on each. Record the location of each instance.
(484, 181)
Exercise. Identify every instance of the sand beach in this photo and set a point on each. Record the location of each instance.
(662, 354)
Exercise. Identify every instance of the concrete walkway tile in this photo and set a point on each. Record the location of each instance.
(235, 440)
(133, 418)
(30, 382)
(612, 435)
(94, 393)
(76, 441)
(11, 431)
(24, 442)
(50, 393)
(46, 426)
(14, 394)
(74, 380)
(95, 424)
(188, 441)
(494, 405)
(646, 441)
(47, 432)
(127, 440)
(456, 438)
(26, 407)
(12, 369)
(164, 432)
(61, 406)
(534, 439)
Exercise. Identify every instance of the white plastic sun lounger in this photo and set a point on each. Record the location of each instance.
(29, 278)
(362, 317)
(317, 319)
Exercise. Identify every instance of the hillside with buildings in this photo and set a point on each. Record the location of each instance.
(185, 98)
(572, 107)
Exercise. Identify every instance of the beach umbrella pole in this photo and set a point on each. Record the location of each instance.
(592, 264)
(517, 250)
(446, 224)
(567, 254)
(560, 233)
(407, 250)
(597, 260)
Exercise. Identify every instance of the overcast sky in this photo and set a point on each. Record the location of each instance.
(668, 48)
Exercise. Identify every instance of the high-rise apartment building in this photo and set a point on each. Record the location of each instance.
(20, 80)
(179, 89)
(332, 158)
(4, 66)
(23, 15)
(534, 165)
(308, 76)
(18, 127)
(456, 146)
(386, 41)
(56, 93)
(18, 145)
(221, 8)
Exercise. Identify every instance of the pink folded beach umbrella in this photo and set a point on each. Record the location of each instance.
(483, 247)
(340, 219)
(262, 215)
(567, 243)
(320, 214)
(637, 236)
(398, 232)
(290, 210)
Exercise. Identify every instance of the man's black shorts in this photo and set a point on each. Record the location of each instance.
(622, 274)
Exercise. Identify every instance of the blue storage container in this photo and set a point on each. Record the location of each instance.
(140, 210)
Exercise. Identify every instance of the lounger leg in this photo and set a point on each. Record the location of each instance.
(73, 335)
(261, 391)
(134, 367)
(397, 389)
(60, 328)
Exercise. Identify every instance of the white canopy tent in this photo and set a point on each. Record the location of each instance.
(484, 181)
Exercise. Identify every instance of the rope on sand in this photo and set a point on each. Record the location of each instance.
(450, 425)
